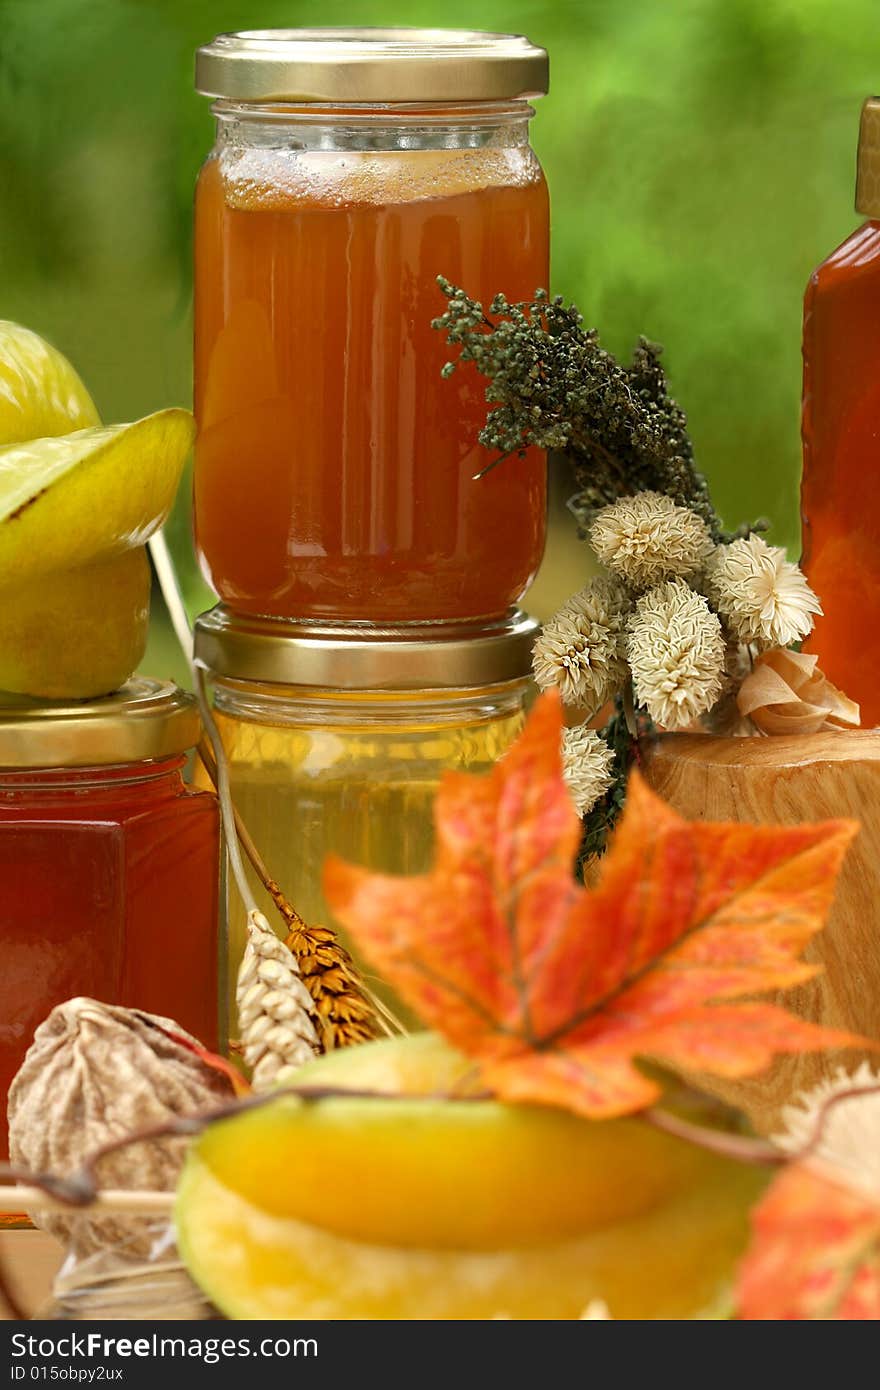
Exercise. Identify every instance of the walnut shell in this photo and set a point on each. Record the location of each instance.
(94, 1073)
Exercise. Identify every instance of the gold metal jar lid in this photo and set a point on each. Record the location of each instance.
(365, 657)
(868, 164)
(371, 66)
(144, 719)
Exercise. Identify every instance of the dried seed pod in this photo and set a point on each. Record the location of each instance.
(93, 1074)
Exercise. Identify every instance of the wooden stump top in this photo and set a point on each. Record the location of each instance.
(785, 780)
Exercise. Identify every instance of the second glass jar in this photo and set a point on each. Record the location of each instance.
(335, 466)
(337, 743)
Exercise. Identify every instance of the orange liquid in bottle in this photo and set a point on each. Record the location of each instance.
(840, 494)
(334, 466)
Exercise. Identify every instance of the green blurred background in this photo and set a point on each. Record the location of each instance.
(700, 155)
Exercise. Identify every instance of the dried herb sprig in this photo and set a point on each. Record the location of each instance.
(552, 384)
(644, 507)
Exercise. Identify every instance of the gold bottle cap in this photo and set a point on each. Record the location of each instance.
(142, 720)
(868, 165)
(448, 656)
(369, 66)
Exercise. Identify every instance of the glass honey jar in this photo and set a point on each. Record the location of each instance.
(337, 740)
(109, 863)
(335, 467)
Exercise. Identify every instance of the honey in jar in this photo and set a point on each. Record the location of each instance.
(337, 742)
(335, 467)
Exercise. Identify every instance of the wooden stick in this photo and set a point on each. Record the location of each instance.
(287, 910)
(15, 1199)
(168, 583)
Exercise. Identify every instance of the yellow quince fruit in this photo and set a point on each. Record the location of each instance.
(410, 1198)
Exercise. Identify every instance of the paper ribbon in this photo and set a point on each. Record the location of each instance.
(785, 693)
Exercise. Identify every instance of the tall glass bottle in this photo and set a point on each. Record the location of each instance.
(840, 493)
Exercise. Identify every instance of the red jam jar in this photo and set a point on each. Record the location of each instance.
(334, 466)
(109, 863)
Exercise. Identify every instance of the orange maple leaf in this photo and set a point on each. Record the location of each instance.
(815, 1252)
(554, 989)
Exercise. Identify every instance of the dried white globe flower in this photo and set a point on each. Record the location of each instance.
(586, 766)
(676, 652)
(849, 1139)
(647, 538)
(763, 597)
(580, 650)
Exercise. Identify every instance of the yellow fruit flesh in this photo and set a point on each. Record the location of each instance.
(75, 512)
(427, 1208)
(532, 1175)
(674, 1262)
(40, 393)
(76, 634)
(70, 501)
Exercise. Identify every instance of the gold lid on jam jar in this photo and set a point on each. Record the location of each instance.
(368, 66)
(368, 657)
(144, 719)
(868, 164)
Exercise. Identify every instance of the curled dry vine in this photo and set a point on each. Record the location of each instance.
(81, 1189)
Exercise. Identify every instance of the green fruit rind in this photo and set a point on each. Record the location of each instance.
(77, 498)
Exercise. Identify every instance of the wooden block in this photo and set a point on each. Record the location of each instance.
(781, 781)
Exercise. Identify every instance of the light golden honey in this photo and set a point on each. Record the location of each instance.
(352, 775)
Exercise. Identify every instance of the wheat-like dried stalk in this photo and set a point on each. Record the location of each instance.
(274, 1008)
(345, 1014)
(166, 574)
(345, 1009)
(336, 1006)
